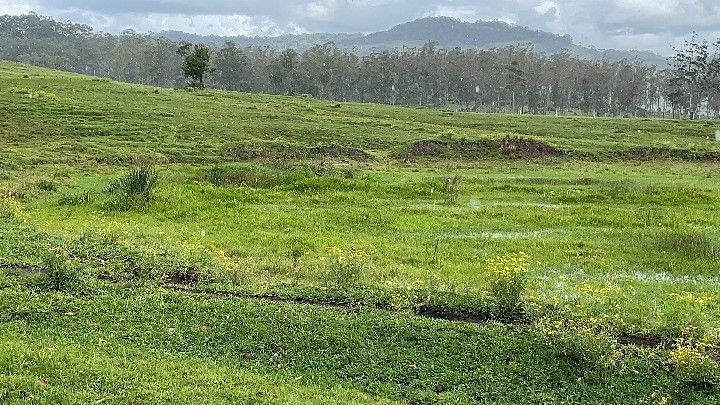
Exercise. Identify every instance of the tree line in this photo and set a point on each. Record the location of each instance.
(514, 79)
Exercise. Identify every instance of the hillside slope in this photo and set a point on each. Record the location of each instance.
(164, 246)
(45, 111)
(447, 32)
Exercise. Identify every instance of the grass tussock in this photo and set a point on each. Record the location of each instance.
(134, 189)
(80, 198)
(47, 186)
(60, 274)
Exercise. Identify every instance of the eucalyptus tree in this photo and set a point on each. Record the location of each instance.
(232, 68)
(197, 63)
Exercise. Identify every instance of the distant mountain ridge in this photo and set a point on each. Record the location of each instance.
(445, 31)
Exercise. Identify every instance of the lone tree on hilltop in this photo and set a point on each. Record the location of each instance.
(197, 63)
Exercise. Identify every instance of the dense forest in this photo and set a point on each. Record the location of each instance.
(509, 79)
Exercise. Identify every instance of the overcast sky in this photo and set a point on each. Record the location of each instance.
(624, 24)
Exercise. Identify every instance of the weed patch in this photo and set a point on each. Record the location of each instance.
(694, 365)
(451, 188)
(346, 266)
(47, 186)
(299, 177)
(508, 278)
(587, 352)
(60, 274)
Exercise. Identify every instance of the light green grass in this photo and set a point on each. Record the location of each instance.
(621, 246)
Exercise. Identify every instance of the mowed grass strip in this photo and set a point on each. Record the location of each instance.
(135, 339)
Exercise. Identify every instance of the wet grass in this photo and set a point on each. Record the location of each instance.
(298, 203)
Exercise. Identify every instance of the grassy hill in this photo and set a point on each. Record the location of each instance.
(447, 32)
(295, 250)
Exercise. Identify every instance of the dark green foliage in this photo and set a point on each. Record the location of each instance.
(197, 63)
(47, 185)
(138, 183)
(60, 274)
(217, 175)
(232, 66)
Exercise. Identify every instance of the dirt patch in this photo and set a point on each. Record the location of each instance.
(528, 148)
(651, 153)
(456, 316)
(335, 151)
(190, 275)
(508, 147)
(652, 342)
(20, 269)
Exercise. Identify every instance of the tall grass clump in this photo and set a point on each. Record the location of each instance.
(508, 276)
(451, 189)
(691, 244)
(46, 185)
(135, 188)
(81, 198)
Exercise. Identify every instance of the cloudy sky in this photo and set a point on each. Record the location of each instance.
(624, 24)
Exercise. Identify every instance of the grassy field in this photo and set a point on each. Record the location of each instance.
(295, 250)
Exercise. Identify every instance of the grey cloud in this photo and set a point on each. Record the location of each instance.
(654, 24)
